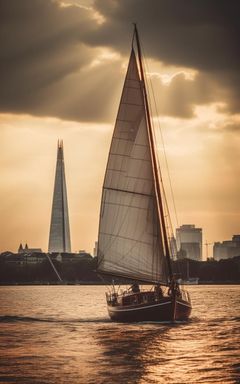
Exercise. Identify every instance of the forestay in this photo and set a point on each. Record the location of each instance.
(130, 236)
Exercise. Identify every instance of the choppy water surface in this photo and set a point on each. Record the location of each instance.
(62, 334)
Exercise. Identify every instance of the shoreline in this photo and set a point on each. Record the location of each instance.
(38, 283)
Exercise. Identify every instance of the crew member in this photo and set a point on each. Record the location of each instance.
(135, 288)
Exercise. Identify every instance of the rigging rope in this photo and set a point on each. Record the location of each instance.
(159, 129)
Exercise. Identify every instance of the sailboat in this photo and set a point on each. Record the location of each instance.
(133, 242)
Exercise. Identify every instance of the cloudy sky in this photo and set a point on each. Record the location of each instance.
(62, 67)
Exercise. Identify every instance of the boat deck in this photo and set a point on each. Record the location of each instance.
(142, 298)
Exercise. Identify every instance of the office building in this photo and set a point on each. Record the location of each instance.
(227, 249)
(189, 242)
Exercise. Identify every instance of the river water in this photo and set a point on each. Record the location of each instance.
(62, 334)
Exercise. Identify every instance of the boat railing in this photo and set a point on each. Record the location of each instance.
(143, 295)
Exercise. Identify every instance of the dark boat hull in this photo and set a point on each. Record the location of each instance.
(168, 309)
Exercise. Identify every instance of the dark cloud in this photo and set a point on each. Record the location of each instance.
(181, 95)
(47, 49)
(198, 34)
(42, 44)
(203, 35)
(232, 127)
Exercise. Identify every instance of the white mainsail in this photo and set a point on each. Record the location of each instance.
(130, 237)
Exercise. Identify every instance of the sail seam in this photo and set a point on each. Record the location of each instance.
(131, 87)
(135, 104)
(132, 158)
(130, 141)
(127, 205)
(128, 177)
(126, 238)
(140, 279)
(126, 191)
(126, 121)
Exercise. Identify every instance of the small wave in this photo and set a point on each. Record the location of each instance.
(222, 320)
(13, 319)
(171, 322)
(237, 318)
(194, 319)
(28, 319)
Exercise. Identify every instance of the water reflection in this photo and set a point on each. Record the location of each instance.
(130, 352)
(155, 353)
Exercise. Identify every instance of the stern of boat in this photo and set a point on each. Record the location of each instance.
(146, 305)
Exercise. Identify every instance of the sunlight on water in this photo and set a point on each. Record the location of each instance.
(62, 334)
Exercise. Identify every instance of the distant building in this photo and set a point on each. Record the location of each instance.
(59, 236)
(35, 257)
(23, 258)
(227, 249)
(67, 257)
(75, 257)
(189, 242)
(16, 259)
(28, 250)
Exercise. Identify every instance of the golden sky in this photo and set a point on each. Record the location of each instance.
(62, 69)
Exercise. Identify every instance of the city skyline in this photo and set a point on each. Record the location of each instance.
(62, 70)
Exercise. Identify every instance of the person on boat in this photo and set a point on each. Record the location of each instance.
(114, 298)
(158, 291)
(135, 288)
(178, 291)
(174, 289)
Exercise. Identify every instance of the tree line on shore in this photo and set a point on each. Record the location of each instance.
(84, 271)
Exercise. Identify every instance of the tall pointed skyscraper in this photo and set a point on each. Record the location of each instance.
(59, 237)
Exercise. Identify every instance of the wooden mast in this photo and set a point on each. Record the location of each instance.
(154, 160)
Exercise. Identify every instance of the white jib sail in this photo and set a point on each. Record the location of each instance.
(130, 242)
